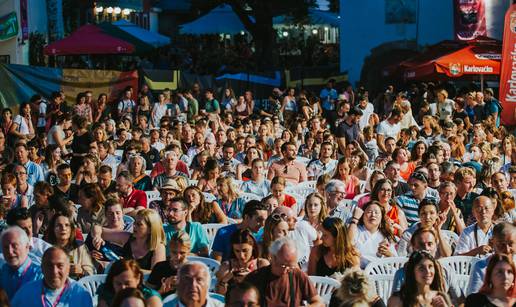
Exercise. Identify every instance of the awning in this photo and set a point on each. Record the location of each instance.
(315, 17)
(89, 39)
(481, 56)
(123, 4)
(149, 37)
(140, 47)
(221, 19)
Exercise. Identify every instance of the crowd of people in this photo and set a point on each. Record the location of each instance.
(128, 188)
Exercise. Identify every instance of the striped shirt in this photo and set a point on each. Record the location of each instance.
(410, 205)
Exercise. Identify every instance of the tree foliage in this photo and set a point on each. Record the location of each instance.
(262, 12)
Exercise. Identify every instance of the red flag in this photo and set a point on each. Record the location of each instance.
(508, 73)
(470, 19)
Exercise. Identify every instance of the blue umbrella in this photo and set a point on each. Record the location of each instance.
(149, 37)
(221, 19)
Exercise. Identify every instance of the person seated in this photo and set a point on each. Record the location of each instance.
(208, 182)
(132, 199)
(61, 232)
(276, 226)
(351, 183)
(24, 190)
(126, 274)
(201, 210)
(371, 233)
(503, 241)
(167, 191)
(18, 268)
(272, 281)
(105, 180)
(91, 211)
(244, 260)
(454, 220)
(228, 199)
(427, 239)
(129, 297)
(163, 277)
(423, 284)
(242, 294)
(498, 288)
(278, 185)
(192, 291)
(336, 253)
(474, 240)
(257, 184)
(146, 244)
(137, 166)
(21, 217)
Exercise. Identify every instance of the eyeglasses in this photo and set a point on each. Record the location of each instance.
(20, 173)
(279, 217)
(338, 193)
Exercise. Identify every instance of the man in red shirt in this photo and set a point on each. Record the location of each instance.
(133, 200)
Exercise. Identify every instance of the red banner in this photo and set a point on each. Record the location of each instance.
(508, 73)
(470, 19)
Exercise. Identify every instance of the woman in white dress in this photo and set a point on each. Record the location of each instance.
(371, 233)
(22, 127)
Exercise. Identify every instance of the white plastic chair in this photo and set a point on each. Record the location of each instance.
(308, 184)
(300, 190)
(461, 266)
(91, 284)
(382, 284)
(237, 183)
(211, 229)
(148, 172)
(152, 195)
(249, 196)
(192, 183)
(170, 300)
(119, 153)
(451, 237)
(209, 197)
(325, 287)
(362, 185)
(385, 266)
(213, 264)
(381, 274)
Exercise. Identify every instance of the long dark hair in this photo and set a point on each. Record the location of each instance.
(204, 210)
(384, 227)
(244, 236)
(408, 292)
(51, 232)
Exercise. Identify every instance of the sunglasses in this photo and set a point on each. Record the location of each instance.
(279, 217)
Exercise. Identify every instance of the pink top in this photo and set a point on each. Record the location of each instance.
(350, 187)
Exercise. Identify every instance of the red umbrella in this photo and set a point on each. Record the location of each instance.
(477, 57)
(89, 39)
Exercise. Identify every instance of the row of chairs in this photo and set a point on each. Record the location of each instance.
(381, 272)
(324, 285)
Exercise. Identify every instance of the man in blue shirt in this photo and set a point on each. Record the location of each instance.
(254, 216)
(492, 106)
(34, 171)
(19, 268)
(328, 97)
(55, 289)
(177, 215)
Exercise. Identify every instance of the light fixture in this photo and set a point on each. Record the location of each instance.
(285, 33)
(314, 31)
(326, 28)
(118, 10)
(109, 10)
(228, 36)
(242, 32)
(99, 9)
(126, 11)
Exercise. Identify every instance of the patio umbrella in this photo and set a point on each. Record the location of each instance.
(478, 57)
(140, 46)
(149, 37)
(89, 39)
(221, 19)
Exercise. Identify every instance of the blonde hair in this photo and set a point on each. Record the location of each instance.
(324, 209)
(355, 286)
(232, 191)
(444, 93)
(153, 221)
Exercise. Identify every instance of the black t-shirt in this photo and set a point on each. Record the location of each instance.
(401, 188)
(161, 270)
(111, 188)
(479, 300)
(350, 133)
(150, 157)
(71, 194)
(81, 143)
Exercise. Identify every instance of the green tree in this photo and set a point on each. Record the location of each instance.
(262, 12)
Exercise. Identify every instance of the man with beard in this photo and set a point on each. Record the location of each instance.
(287, 167)
(177, 221)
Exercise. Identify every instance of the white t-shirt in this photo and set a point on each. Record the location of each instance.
(50, 136)
(388, 130)
(366, 113)
(158, 112)
(367, 244)
(42, 122)
(23, 127)
(125, 105)
(304, 235)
